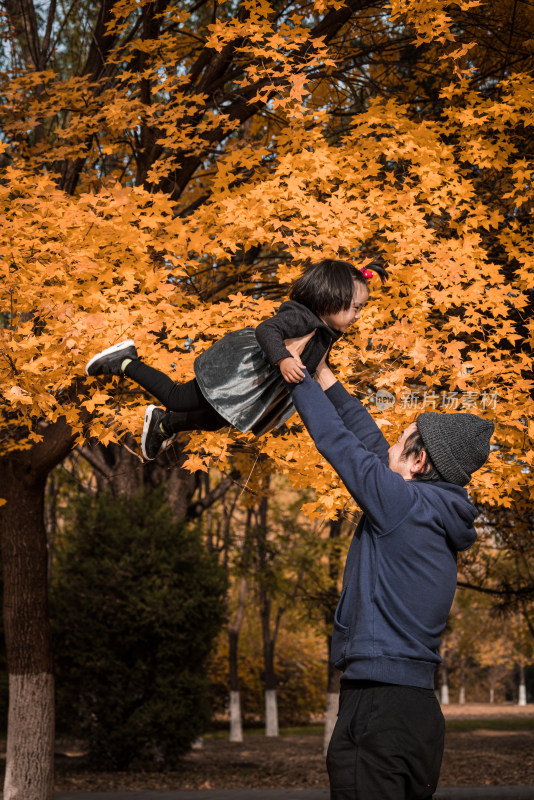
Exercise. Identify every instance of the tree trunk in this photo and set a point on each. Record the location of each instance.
(332, 701)
(236, 723)
(333, 675)
(50, 521)
(236, 726)
(444, 685)
(271, 713)
(30, 744)
(121, 472)
(461, 699)
(271, 704)
(30, 738)
(492, 682)
(522, 699)
(266, 604)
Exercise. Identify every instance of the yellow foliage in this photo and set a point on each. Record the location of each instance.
(442, 196)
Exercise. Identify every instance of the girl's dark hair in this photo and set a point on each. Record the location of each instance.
(327, 286)
(414, 445)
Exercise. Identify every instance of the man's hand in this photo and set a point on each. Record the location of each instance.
(292, 369)
(297, 345)
(324, 375)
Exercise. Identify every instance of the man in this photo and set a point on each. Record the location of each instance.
(398, 587)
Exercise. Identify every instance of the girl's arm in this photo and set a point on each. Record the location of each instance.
(273, 336)
(271, 333)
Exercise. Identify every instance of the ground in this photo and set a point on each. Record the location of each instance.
(485, 755)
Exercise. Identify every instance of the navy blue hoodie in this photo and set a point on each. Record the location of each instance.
(400, 575)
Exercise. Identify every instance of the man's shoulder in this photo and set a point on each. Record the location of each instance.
(446, 506)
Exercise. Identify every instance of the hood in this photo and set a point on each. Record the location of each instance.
(315, 321)
(457, 512)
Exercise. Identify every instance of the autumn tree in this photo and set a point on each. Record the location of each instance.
(167, 177)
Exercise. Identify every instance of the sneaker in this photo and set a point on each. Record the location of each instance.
(154, 440)
(108, 362)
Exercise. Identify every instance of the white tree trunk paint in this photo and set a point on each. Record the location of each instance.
(332, 707)
(492, 695)
(444, 694)
(271, 713)
(522, 700)
(30, 741)
(236, 727)
(462, 695)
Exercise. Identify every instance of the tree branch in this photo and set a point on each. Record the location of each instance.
(48, 33)
(57, 442)
(523, 591)
(196, 509)
(95, 460)
(21, 15)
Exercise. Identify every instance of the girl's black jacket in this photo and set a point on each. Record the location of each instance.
(238, 374)
(291, 320)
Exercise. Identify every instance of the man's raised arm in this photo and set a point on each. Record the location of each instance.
(383, 495)
(354, 415)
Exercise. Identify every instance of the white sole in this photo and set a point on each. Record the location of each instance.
(146, 424)
(113, 349)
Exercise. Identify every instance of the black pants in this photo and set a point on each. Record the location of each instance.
(387, 743)
(188, 409)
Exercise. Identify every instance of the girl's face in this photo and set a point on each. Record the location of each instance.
(342, 320)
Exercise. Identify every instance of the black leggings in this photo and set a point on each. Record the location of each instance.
(187, 408)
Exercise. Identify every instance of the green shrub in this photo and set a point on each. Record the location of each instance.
(136, 603)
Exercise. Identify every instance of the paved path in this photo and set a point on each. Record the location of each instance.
(446, 793)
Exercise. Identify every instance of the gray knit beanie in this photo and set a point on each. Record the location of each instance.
(458, 444)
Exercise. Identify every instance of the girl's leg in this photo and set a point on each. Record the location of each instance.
(174, 396)
(188, 409)
(202, 420)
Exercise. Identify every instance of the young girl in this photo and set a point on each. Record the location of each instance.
(240, 379)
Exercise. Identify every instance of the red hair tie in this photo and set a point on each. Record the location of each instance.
(367, 274)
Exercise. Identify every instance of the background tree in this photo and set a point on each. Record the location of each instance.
(228, 532)
(502, 563)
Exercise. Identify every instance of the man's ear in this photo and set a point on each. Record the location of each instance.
(419, 463)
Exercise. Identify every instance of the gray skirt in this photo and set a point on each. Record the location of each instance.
(237, 380)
